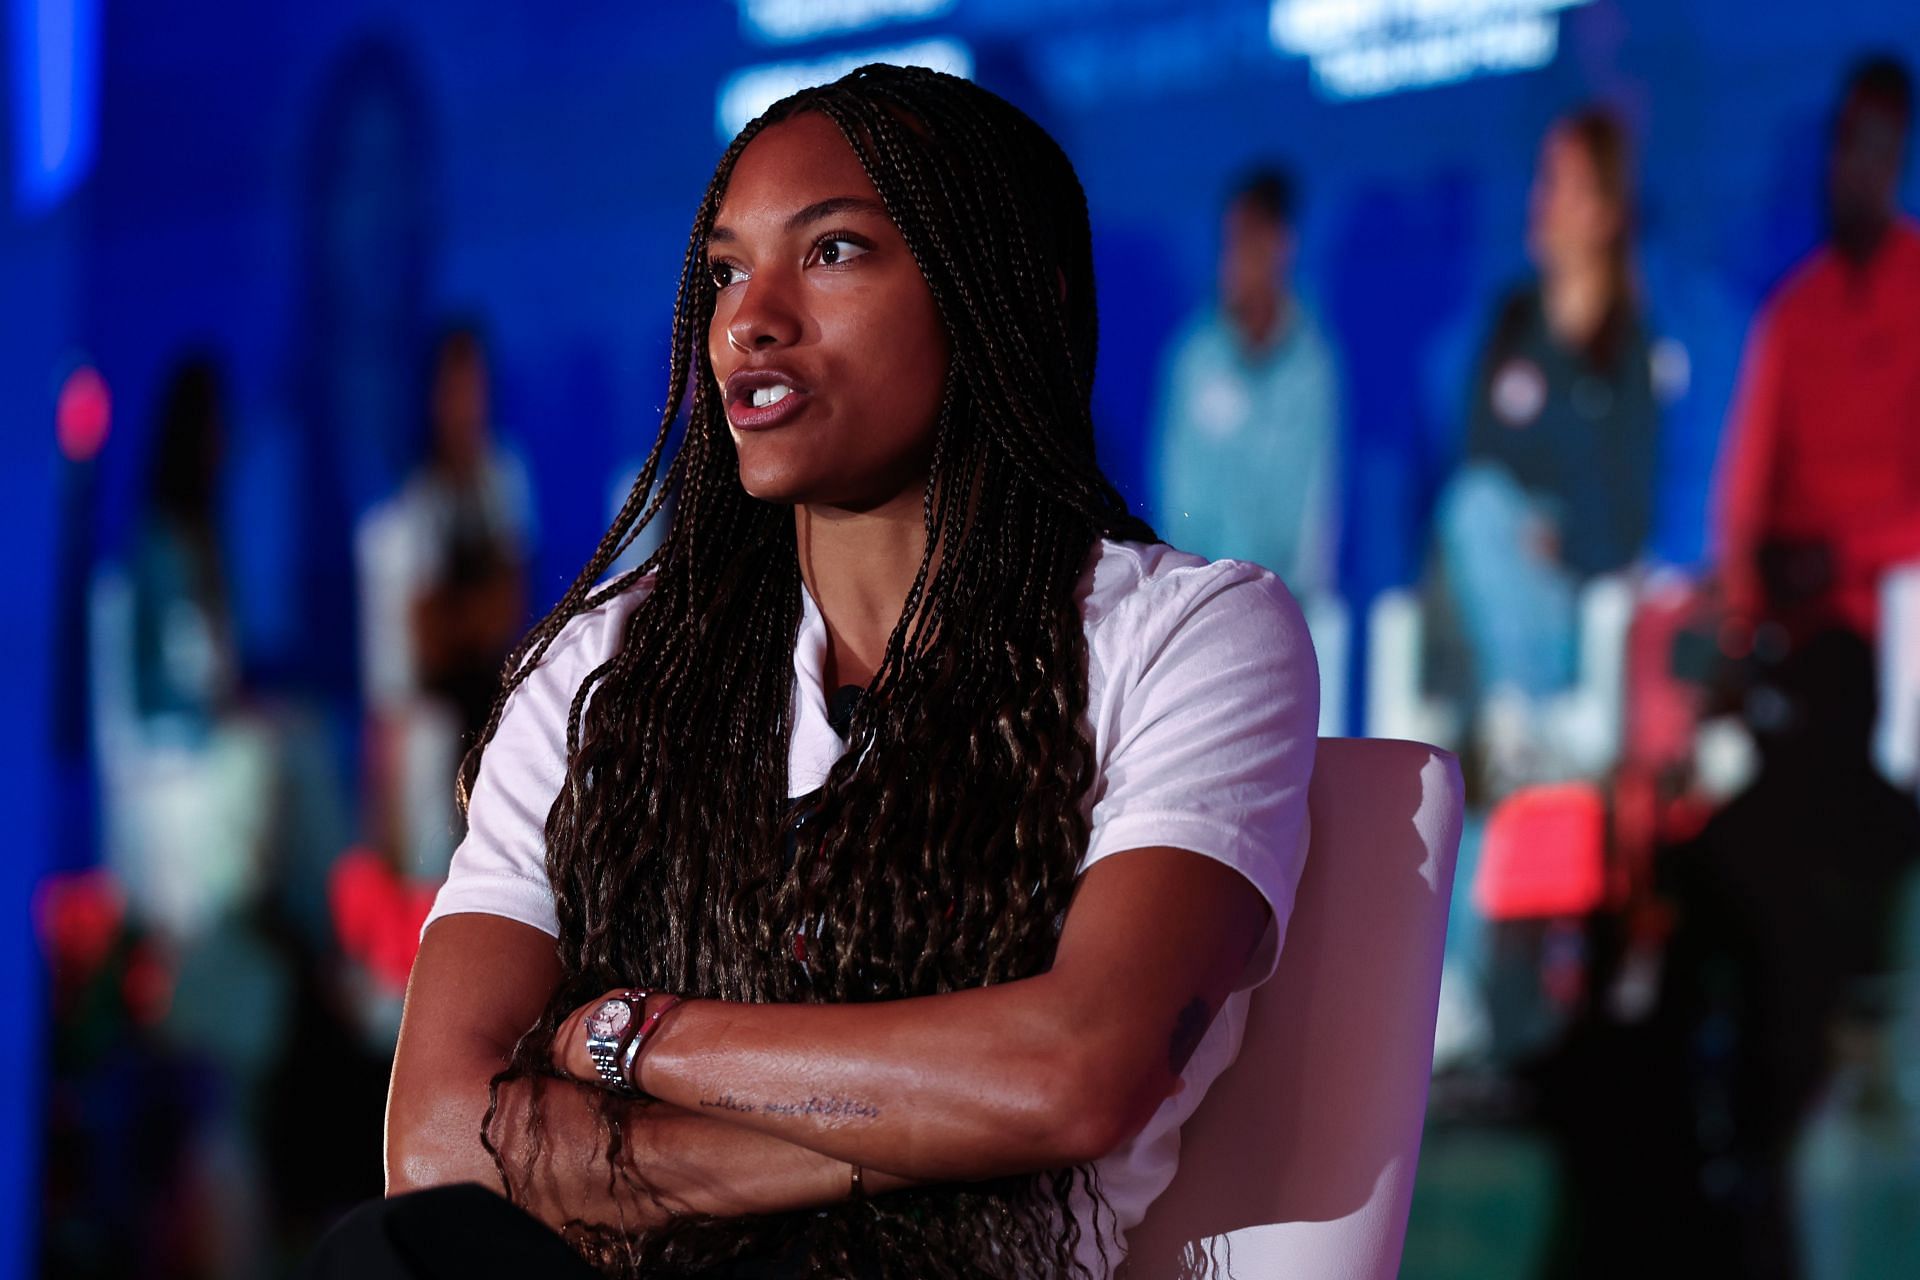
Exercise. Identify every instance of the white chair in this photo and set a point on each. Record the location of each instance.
(1897, 733)
(1302, 1155)
(1396, 706)
(1328, 623)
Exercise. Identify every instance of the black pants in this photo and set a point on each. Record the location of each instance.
(464, 1232)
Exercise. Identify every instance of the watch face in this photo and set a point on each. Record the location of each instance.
(610, 1020)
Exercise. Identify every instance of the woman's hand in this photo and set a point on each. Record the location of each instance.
(569, 1050)
(480, 981)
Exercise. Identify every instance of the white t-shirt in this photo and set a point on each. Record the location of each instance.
(1202, 701)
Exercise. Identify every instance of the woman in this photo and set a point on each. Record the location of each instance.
(837, 783)
(1562, 427)
(473, 508)
(185, 667)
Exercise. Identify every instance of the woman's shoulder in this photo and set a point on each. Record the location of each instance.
(1196, 669)
(1139, 593)
(594, 633)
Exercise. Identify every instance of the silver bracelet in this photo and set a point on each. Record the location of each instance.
(629, 1060)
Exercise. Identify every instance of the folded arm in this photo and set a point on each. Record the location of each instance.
(479, 982)
(1041, 1073)
(767, 1105)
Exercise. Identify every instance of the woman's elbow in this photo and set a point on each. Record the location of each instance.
(435, 1144)
(413, 1162)
(1096, 1105)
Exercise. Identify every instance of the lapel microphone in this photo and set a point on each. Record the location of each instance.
(841, 704)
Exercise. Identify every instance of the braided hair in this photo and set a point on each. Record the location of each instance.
(943, 847)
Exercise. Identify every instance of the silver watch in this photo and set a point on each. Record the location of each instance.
(609, 1027)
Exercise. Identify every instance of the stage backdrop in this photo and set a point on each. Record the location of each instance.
(307, 189)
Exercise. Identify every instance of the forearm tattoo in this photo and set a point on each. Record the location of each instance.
(828, 1108)
(1188, 1026)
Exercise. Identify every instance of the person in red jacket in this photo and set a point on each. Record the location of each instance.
(1820, 479)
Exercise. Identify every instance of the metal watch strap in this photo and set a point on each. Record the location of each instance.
(606, 1060)
(607, 1054)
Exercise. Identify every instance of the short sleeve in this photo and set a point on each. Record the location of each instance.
(500, 867)
(1213, 705)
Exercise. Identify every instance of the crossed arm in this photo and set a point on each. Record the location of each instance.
(764, 1107)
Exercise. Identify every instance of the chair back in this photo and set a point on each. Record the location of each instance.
(1300, 1161)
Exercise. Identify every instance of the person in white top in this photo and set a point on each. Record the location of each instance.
(871, 882)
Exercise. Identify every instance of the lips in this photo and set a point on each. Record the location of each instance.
(761, 398)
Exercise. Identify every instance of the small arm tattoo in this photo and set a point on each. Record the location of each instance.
(829, 1108)
(1188, 1026)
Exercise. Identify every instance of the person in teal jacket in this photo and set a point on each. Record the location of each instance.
(1247, 448)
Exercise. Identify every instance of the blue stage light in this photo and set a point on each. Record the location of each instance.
(751, 90)
(1366, 48)
(55, 78)
(790, 21)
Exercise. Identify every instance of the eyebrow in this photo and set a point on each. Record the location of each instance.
(813, 213)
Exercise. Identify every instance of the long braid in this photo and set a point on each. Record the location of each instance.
(943, 850)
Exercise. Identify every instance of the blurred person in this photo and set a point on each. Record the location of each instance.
(1562, 434)
(443, 578)
(181, 1017)
(187, 771)
(1788, 905)
(1555, 492)
(1247, 448)
(474, 509)
(185, 668)
(1820, 474)
(907, 752)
